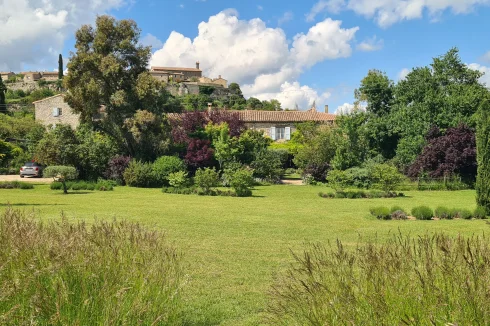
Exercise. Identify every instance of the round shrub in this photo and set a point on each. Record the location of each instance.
(24, 185)
(396, 208)
(165, 165)
(465, 214)
(381, 213)
(241, 181)
(422, 213)
(178, 179)
(206, 179)
(480, 213)
(443, 213)
(139, 174)
(398, 215)
(116, 168)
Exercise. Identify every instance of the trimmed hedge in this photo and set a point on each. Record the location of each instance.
(381, 213)
(16, 185)
(358, 194)
(423, 213)
(82, 185)
(198, 191)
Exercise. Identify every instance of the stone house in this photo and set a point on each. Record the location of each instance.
(53, 110)
(179, 73)
(279, 125)
(49, 76)
(220, 81)
(6, 75)
(31, 76)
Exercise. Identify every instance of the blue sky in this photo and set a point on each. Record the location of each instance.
(253, 42)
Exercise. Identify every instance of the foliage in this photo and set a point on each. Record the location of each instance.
(3, 90)
(82, 185)
(60, 67)
(139, 174)
(443, 213)
(16, 185)
(88, 272)
(58, 147)
(398, 215)
(316, 146)
(116, 167)
(61, 173)
(359, 177)
(229, 170)
(483, 156)
(386, 176)
(423, 212)
(317, 171)
(453, 153)
(241, 181)
(350, 141)
(165, 165)
(381, 213)
(23, 130)
(252, 142)
(226, 149)
(338, 180)
(405, 280)
(178, 179)
(267, 165)
(480, 213)
(358, 194)
(199, 153)
(200, 192)
(206, 178)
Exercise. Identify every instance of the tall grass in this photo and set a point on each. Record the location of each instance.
(108, 273)
(429, 280)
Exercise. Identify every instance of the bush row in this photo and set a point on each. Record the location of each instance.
(82, 185)
(16, 185)
(8, 171)
(200, 192)
(426, 213)
(356, 194)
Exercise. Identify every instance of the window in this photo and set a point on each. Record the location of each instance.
(280, 132)
(57, 112)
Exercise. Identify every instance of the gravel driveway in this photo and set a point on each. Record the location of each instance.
(26, 179)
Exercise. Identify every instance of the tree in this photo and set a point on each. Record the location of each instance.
(254, 103)
(60, 67)
(109, 68)
(58, 147)
(377, 91)
(206, 179)
(350, 141)
(3, 90)
(61, 174)
(483, 156)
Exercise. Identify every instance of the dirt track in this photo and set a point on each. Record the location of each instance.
(26, 179)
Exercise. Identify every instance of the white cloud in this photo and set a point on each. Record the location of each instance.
(345, 108)
(371, 44)
(389, 12)
(485, 79)
(33, 31)
(258, 57)
(486, 57)
(151, 40)
(403, 73)
(259, 7)
(287, 16)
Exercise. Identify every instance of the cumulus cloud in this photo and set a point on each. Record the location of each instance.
(292, 94)
(389, 12)
(485, 79)
(33, 31)
(348, 108)
(371, 44)
(403, 73)
(258, 57)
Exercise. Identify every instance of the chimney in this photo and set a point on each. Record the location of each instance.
(197, 64)
(326, 108)
(210, 107)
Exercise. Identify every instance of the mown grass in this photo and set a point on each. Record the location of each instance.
(234, 246)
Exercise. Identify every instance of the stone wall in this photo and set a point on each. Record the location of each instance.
(44, 112)
(29, 86)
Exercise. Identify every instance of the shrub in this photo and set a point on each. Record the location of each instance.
(178, 179)
(242, 181)
(200, 192)
(116, 168)
(405, 280)
(480, 213)
(396, 208)
(206, 178)
(338, 180)
(398, 215)
(165, 165)
(16, 185)
(267, 165)
(443, 213)
(230, 168)
(327, 195)
(103, 186)
(381, 213)
(61, 174)
(462, 213)
(422, 213)
(139, 174)
(71, 274)
(318, 171)
(386, 176)
(482, 185)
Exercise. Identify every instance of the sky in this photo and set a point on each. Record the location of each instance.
(298, 52)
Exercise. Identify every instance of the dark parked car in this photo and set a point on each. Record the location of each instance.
(31, 169)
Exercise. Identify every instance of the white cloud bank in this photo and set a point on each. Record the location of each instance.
(33, 31)
(389, 12)
(258, 57)
(485, 79)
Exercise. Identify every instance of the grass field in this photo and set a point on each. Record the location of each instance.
(234, 246)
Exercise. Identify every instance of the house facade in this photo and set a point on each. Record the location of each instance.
(6, 75)
(31, 76)
(179, 73)
(49, 76)
(53, 110)
(279, 125)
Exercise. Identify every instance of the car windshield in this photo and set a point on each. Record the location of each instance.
(30, 164)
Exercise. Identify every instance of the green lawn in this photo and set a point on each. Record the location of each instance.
(233, 246)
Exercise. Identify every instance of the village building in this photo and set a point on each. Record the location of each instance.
(49, 76)
(181, 73)
(53, 110)
(6, 75)
(31, 76)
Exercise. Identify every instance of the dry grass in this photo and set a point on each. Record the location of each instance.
(108, 273)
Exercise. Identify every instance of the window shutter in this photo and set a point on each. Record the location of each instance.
(56, 112)
(287, 134)
(273, 133)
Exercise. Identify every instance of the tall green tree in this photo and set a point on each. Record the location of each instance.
(109, 68)
(60, 67)
(483, 156)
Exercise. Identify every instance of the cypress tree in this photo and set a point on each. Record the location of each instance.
(483, 156)
(60, 67)
(3, 90)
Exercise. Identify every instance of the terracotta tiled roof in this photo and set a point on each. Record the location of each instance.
(284, 116)
(50, 73)
(277, 116)
(174, 69)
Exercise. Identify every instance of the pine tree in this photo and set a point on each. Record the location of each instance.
(483, 156)
(60, 67)
(3, 90)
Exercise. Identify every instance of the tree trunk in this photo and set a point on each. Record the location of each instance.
(65, 191)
